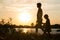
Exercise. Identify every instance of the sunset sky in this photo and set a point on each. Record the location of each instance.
(15, 8)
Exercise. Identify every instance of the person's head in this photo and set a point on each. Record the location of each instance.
(39, 5)
(46, 16)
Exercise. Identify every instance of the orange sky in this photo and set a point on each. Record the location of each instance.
(13, 8)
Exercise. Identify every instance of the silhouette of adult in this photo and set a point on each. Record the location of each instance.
(47, 24)
(39, 17)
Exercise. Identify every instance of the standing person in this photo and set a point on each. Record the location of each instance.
(47, 24)
(39, 17)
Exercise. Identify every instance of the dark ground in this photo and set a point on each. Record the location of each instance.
(31, 36)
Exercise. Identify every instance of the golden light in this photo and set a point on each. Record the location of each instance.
(25, 17)
(25, 30)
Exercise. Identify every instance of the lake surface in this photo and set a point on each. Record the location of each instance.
(32, 30)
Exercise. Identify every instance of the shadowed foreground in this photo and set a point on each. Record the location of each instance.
(8, 32)
(27, 36)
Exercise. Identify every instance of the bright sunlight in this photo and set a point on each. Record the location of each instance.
(24, 17)
(26, 30)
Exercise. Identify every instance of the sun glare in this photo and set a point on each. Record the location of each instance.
(26, 30)
(24, 17)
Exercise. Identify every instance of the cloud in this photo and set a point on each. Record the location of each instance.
(53, 1)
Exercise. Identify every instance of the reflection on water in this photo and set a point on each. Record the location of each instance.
(25, 30)
(54, 31)
(29, 30)
(32, 30)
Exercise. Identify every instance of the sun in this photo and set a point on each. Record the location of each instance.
(24, 17)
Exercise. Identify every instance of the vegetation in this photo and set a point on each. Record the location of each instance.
(8, 32)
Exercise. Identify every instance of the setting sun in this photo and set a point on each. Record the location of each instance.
(24, 17)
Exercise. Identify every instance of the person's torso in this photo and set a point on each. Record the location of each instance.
(39, 13)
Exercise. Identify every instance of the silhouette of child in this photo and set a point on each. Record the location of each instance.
(47, 24)
(39, 16)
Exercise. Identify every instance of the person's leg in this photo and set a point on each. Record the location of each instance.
(36, 30)
(49, 34)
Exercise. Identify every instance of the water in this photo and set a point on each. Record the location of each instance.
(32, 30)
(54, 31)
